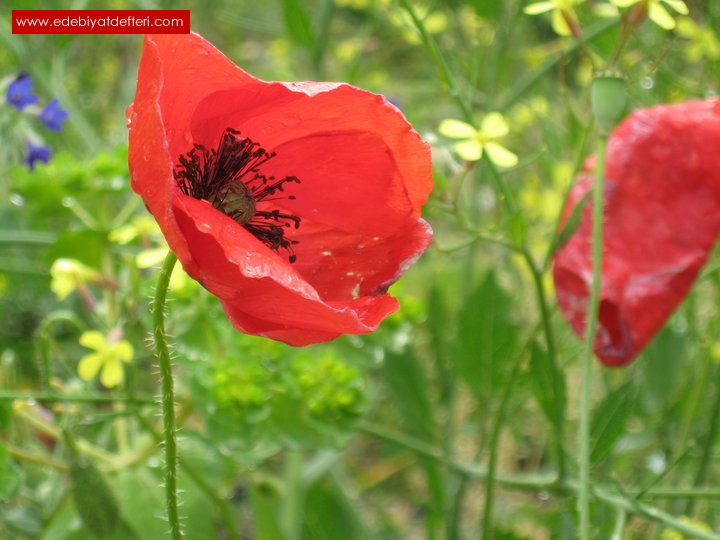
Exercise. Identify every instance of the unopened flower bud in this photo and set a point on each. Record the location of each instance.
(608, 98)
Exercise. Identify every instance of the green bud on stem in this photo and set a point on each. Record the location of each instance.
(608, 98)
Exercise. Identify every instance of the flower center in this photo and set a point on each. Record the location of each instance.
(229, 178)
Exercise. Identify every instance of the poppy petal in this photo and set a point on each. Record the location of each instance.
(294, 119)
(364, 177)
(660, 221)
(235, 266)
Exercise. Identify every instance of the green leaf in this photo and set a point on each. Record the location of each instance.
(327, 518)
(298, 24)
(609, 419)
(141, 502)
(406, 378)
(488, 339)
(437, 325)
(544, 377)
(407, 381)
(86, 246)
(266, 501)
(10, 475)
(660, 363)
(570, 226)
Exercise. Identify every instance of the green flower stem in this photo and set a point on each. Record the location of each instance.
(446, 76)
(591, 322)
(23, 455)
(168, 395)
(9, 395)
(707, 443)
(610, 495)
(494, 444)
(30, 414)
(41, 238)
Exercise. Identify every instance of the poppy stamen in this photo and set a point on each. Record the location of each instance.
(229, 178)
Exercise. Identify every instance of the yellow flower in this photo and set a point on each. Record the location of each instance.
(148, 258)
(68, 274)
(656, 11)
(475, 142)
(703, 40)
(138, 227)
(108, 358)
(562, 11)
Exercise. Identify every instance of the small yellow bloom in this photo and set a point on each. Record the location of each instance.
(703, 41)
(108, 358)
(656, 11)
(138, 227)
(68, 274)
(473, 142)
(562, 10)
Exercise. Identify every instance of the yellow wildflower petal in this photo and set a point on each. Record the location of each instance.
(89, 366)
(469, 150)
(494, 126)
(559, 24)
(624, 3)
(539, 7)
(660, 16)
(500, 156)
(678, 5)
(112, 373)
(123, 351)
(93, 339)
(457, 129)
(150, 257)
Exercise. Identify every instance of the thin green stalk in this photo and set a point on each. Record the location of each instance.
(559, 424)
(443, 69)
(510, 203)
(494, 445)
(526, 83)
(10, 395)
(39, 459)
(42, 238)
(293, 501)
(548, 482)
(168, 395)
(708, 443)
(583, 501)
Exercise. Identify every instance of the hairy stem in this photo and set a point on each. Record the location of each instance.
(168, 395)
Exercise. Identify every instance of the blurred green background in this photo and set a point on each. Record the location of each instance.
(384, 436)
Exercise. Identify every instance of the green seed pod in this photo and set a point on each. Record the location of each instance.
(94, 500)
(608, 98)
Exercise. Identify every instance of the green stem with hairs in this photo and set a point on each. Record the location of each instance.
(168, 395)
(584, 488)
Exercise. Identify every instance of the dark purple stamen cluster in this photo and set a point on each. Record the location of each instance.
(229, 178)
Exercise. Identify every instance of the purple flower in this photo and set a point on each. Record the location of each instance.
(36, 152)
(19, 93)
(53, 115)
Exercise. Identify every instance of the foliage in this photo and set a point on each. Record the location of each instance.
(468, 394)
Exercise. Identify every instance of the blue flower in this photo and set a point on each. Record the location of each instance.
(52, 115)
(19, 93)
(36, 152)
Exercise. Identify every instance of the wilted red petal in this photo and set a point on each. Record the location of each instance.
(364, 173)
(661, 219)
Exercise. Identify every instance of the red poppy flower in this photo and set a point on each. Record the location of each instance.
(661, 219)
(297, 204)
